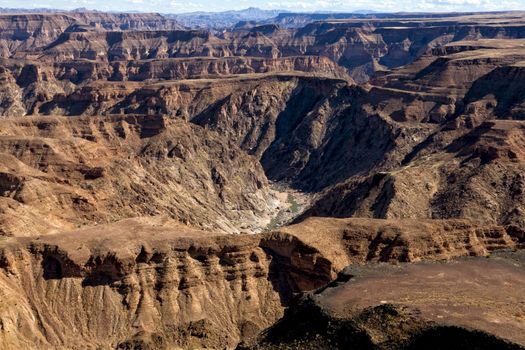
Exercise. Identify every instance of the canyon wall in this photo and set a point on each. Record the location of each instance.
(153, 283)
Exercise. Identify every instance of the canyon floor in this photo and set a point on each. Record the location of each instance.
(305, 181)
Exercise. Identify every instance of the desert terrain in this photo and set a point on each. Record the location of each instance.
(297, 181)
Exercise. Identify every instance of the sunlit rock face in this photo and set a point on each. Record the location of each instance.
(165, 187)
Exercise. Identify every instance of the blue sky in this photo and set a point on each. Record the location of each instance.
(177, 6)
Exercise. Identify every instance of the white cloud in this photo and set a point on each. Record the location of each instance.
(398, 5)
(300, 5)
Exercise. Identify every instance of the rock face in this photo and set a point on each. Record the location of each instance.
(29, 86)
(363, 46)
(64, 172)
(476, 175)
(154, 283)
(359, 240)
(124, 21)
(463, 304)
(29, 32)
(24, 32)
(147, 170)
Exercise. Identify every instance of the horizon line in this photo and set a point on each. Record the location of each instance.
(280, 11)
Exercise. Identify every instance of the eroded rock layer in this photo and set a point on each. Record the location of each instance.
(131, 149)
(59, 172)
(154, 283)
(461, 304)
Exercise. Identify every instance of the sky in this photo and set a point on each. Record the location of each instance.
(178, 6)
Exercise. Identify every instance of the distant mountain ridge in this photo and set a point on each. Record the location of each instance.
(225, 19)
(254, 16)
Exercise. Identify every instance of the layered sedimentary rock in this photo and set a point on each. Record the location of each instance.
(362, 46)
(468, 164)
(462, 304)
(498, 94)
(130, 148)
(476, 176)
(153, 283)
(25, 32)
(343, 131)
(302, 125)
(41, 82)
(32, 32)
(124, 21)
(62, 173)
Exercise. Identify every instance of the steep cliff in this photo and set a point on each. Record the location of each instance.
(411, 306)
(136, 284)
(363, 47)
(155, 284)
(148, 174)
(474, 175)
(65, 172)
(28, 32)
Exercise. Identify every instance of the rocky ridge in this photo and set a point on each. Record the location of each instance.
(461, 304)
(60, 173)
(132, 149)
(162, 284)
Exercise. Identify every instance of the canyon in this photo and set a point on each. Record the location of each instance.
(300, 181)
